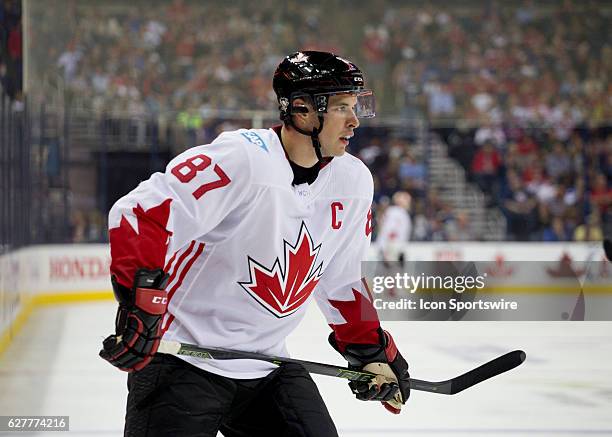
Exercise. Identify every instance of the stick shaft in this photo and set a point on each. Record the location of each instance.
(452, 386)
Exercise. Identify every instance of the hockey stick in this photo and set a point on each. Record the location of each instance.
(607, 245)
(449, 387)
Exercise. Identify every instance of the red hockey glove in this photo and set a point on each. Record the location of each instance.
(392, 385)
(138, 322)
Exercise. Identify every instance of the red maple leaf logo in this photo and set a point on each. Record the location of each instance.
(143, 247)
(565, 268)
(500, 268)
(282, 289)
(361, 319)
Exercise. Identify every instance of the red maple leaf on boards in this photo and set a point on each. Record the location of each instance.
(283, 288)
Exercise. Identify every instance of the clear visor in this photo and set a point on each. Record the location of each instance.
(366, 102)
(364, 108)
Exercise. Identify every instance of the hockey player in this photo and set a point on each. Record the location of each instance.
(226, 249)
(396, 228)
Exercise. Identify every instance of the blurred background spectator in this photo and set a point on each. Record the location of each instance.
(516, 94)
(11, 64)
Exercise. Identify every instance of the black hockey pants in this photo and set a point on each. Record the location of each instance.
(172, 398)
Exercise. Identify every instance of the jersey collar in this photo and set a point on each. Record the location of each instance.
(277, 130)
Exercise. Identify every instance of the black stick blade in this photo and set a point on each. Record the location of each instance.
(488, 370)
(607, 244)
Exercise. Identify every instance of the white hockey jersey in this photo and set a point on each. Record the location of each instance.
(394, 232)
(246, 250)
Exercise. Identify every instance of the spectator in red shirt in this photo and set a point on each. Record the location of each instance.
(527, 146)
(15, 43)
(601, 194)
(485, 167)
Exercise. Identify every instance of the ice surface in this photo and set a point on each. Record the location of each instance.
(563, 388)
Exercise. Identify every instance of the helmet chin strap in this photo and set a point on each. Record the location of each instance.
(314, 135)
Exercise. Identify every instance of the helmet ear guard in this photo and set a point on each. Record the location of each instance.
(300, 108)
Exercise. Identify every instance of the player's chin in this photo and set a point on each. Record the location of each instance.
(335, 149)
(340, 148)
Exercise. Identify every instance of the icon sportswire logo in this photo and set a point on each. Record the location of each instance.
(284, 287)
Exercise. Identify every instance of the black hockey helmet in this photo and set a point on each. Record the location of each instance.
(316, 76)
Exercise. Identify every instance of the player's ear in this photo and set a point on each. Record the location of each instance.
(300, 106)
(302, 110)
